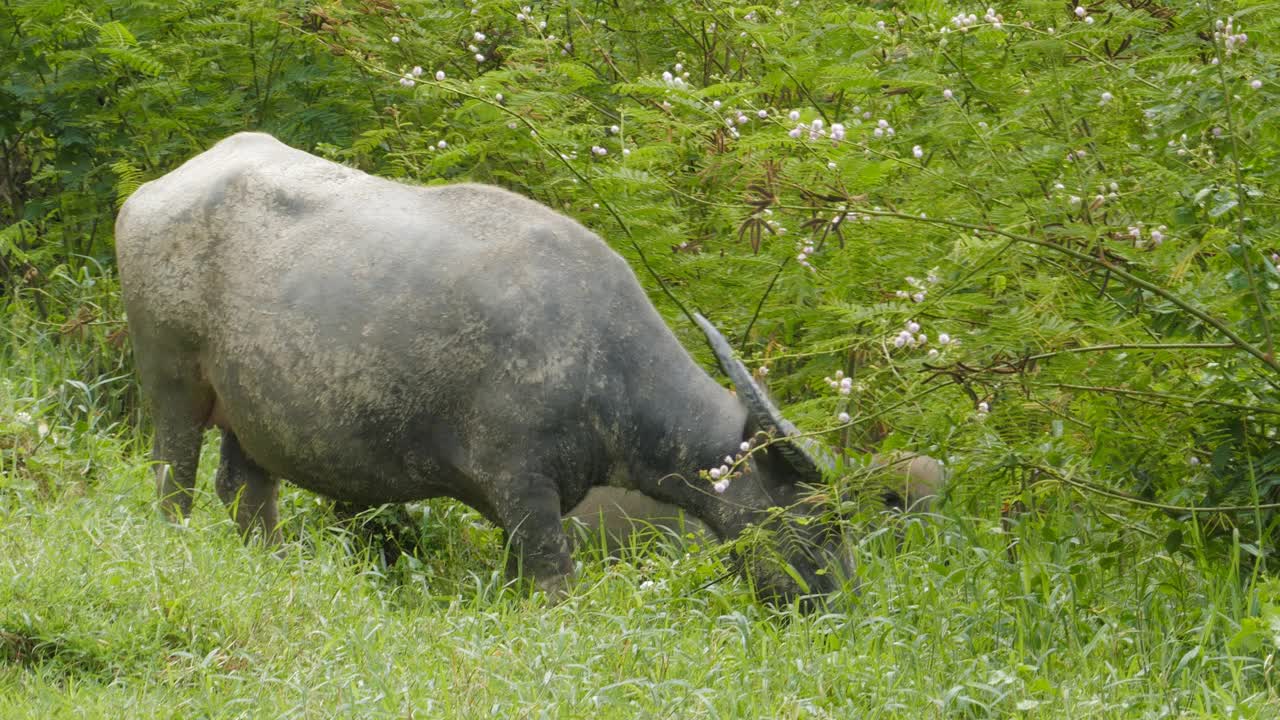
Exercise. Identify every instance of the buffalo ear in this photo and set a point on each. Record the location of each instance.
(762, 415)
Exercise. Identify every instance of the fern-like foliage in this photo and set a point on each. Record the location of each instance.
(128, 178)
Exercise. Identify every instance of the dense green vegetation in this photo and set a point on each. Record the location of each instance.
(1041, 239)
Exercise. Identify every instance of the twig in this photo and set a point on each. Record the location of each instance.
(1133, 346)
(742, 347)
(1116, 270)
(1126, 497)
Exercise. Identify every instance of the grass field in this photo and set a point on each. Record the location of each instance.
(106, 611)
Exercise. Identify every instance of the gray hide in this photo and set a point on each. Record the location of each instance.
(379, 342)
(616, 518)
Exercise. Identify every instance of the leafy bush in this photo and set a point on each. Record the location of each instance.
(1076, 198)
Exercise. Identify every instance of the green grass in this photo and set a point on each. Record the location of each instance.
(106, 611)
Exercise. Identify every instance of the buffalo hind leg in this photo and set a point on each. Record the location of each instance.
(247, 491)
(176, 450)
(530, 517)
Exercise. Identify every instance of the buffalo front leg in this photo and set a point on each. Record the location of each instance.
(529, 513)
(247, 491)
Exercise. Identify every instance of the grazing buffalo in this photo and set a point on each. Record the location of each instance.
(378, 342)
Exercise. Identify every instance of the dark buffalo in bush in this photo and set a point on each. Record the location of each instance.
(379, 342)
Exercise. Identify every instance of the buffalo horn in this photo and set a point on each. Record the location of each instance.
(759, 408)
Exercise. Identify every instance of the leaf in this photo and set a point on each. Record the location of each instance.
(1187, 657)
(1223, 208)
(117, 34)
(128, 179)
(134, 58)
(580, 75)
(1250, 637)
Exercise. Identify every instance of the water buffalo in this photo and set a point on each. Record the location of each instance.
(378, 342)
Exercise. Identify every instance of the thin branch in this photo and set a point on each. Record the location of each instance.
(1154, 395)
(1264, 313)
(1134, 346)
(742, 347)
(1219, 325)
(1134, 500)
